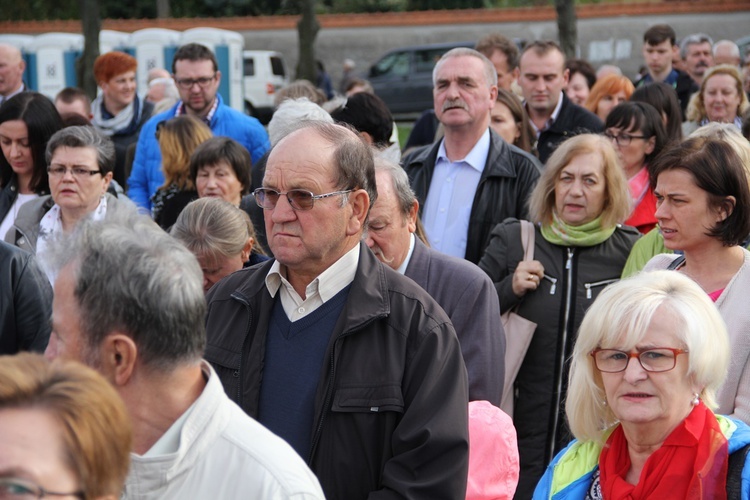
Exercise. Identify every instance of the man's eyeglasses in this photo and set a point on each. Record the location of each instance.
(622, 139)
(658, 359)
(78, 172)
(187, 83)
(299, 199)
(21, 489)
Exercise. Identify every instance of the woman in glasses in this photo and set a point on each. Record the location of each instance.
(80, 163)
(178, 138)
(220, 236)
(651, 355)
(703, 209)
(27, 121)
(64, 431)
(638, 134)
(580, 247)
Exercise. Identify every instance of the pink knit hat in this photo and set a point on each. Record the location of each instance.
(493, 453)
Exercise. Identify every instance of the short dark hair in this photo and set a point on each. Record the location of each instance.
(367, 113)
(223, 149)
(85, 137)
(72, 94)
(42, 121)
(194, 52)
(643, 117)
(717, 169)
(583, 67)
(494, 42)
(543, 47)
(658, 33)
(663, 97)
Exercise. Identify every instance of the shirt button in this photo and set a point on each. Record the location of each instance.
(301, 310)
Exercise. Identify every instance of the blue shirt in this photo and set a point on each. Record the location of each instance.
(450, 198)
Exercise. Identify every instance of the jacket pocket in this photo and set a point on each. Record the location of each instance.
(597, 284)
(227, 366)
(368, 399)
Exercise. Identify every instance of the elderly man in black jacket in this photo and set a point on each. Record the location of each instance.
(350, 362)
(471, 179)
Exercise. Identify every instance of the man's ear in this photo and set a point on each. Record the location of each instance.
(359, 200)
(119, 355)
(411, 218)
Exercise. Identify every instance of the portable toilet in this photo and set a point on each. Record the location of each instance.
(22, 42)
(153, 48)
(227, 47)
(52, 59)
(110, 40)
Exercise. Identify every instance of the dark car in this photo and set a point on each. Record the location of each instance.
(403, 77)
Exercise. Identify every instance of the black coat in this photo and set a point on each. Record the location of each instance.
(391, 407)
(572, 120)
(573, 277)
(507, 180)
(25, 302)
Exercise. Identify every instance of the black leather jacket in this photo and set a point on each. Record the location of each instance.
(509, 176)
(25, 302)
(391, 405)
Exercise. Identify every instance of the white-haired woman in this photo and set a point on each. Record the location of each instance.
(650, 356)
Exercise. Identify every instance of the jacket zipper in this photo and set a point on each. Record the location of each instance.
(564, 344)
(589, 286)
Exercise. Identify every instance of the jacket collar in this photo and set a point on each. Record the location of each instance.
(494, 166)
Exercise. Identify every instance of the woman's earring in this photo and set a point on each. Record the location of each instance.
(695, 399)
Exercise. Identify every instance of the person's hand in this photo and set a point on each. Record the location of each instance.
(527, 277)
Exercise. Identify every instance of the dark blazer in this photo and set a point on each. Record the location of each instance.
(469, 298)
(572, 120)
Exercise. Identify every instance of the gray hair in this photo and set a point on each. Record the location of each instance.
(84, 137)
(490, 74)
(132, 277)
(401, 187)
(694, 39)
(734, 50)
(213, 228)
(292, 114)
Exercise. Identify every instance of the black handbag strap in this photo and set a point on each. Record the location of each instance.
(676, 263)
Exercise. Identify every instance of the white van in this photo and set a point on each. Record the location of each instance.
(265, 72)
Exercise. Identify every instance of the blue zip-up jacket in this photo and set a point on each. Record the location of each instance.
(146, 176)
(569, 475)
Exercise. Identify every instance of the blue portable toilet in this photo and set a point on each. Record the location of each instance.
(52, 59)
(153, 48)
(110, 40)
(227, 47)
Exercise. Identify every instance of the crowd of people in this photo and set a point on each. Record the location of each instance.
(310, 311)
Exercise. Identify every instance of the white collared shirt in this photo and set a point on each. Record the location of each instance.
(552, 118)
(323, 288)
(402, 268)
(451, 195)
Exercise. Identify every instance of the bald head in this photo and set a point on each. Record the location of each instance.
(12, 66)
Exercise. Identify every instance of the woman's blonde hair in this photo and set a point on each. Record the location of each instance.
(178, 138)
(617, 197)
(94, 425)
(214, 228)
(696, 110)
(620, 317)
